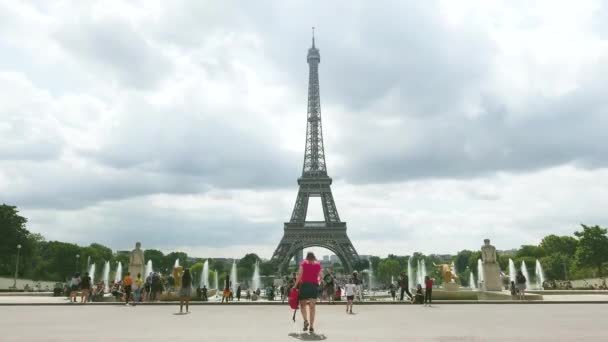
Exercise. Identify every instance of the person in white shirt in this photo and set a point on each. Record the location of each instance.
(349, 290)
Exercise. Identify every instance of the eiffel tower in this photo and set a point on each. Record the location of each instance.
(299, 233)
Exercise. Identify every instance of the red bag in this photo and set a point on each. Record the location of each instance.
(294, 294)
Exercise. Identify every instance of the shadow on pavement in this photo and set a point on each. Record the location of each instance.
(308, 337)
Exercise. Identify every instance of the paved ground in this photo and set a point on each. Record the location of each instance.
(503, 322)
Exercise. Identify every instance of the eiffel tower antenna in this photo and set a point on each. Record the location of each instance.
(314, 182)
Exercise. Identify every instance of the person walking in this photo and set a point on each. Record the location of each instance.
(127, 284)
(358, 286)
(238, 293)
(204, 292)
(391, 289)
(186, 291)
(74, 287)
(349, 290)
(138, 288)
(308, 280)
(85, 286)
(520, 284)
(428, 291)
(404, 286)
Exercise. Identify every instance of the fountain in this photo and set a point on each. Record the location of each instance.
(118, 275)
(480, 274)
(92, 273)
(176, 263)
(540, 275)
(205, 276)
(512, 271)
(149, 269)
(472, 281)
(106, 276)
(215, 284)
(410, 274)
(392, 280)
(524, 270)
(233, 277)
(423, 265)
(255, 281)
(419, 274)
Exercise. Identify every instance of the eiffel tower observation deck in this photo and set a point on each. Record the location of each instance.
(314, 182)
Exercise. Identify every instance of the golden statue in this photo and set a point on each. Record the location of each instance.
(178, 271)
(447, 272)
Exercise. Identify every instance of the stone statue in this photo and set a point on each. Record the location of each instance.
(490, 267)
(137, 261)
(488, 252)
(447, 273)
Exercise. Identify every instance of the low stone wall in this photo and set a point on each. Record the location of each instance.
(588, 283)
(6, 283)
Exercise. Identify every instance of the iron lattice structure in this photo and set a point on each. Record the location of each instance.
(299, 233)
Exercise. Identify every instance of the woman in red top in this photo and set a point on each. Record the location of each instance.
(308, 279)
(428, 293)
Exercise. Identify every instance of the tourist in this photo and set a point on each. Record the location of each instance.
(513, 289)
(186, 290)
(338, 294)
(238, 293)
(428, 293)
(248, 295)
(85, 286)
(204, 293)
(148, 287)
(349, 290)
(520, 284)
(328, 288)
(138, 288)
(308, 279)
(74, 286)
(226, 293)
(391, 289)
(127, 287)
(418, 298)
(404, 285)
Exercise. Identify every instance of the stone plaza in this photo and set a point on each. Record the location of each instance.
(441, 322)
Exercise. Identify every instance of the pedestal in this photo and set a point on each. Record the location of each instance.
(491, 277)
(451, 287)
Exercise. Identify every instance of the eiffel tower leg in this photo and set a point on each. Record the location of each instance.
(301, 207)
(329, 207)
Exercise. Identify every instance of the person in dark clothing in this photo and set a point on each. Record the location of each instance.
(404, 286)
(418, 298)
(428, 291)
(238, 293)
(204, 292)
(85, 286)
(186, 290)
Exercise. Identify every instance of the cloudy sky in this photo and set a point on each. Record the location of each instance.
(182, 124)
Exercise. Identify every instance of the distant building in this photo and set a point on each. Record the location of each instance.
(334, 259)
(326, 258)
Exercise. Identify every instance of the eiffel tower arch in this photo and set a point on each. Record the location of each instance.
(314, 182)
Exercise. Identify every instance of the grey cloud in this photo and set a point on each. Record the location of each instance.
(116, 46)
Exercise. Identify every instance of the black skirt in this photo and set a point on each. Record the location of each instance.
(309, 291)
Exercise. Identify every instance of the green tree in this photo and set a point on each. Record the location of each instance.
(246, 265)
(565, 245)
(461, 262)
(156, 256)
(530, 251)
(386, 269)
(169, 261)
(361, 265)
(592, 247)
(12, 233)
(197, 272)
